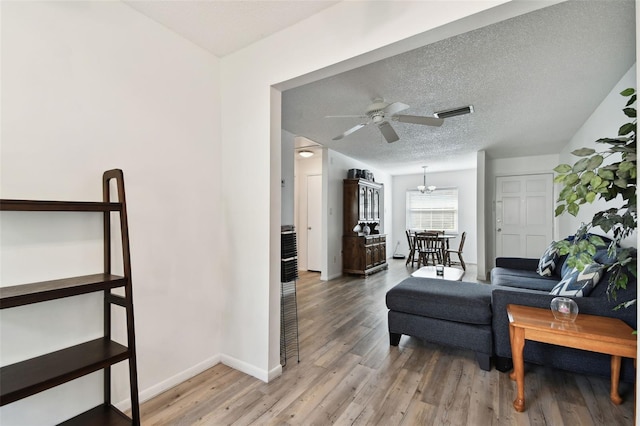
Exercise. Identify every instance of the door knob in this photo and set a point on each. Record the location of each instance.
(499, 229)
(309, 228)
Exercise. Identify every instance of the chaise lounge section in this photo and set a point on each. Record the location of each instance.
(449, 312)
(598, 302)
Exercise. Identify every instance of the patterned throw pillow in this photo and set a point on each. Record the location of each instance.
(548, 261)
(579, 284)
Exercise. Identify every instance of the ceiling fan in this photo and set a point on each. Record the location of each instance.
(380, 112)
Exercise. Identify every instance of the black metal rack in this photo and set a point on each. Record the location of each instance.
(288, 299)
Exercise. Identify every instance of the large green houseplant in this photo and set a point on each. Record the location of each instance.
(609, 174)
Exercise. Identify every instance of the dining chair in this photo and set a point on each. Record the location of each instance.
(458, 252)
(428, 246)
(412, 248)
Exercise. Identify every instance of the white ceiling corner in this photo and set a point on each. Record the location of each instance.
(225, 26)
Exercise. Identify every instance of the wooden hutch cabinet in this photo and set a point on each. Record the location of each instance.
(363, 254)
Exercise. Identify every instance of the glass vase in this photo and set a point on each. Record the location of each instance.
(564, 309)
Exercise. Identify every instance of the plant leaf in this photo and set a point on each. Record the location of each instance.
(581, 165)
(625, 129)
(571, 179)
(606, 174)
(630, 112)
(596, 240)
(573, 209)
(626, 165)
(594, 162)
(628, 91)
(583, 152)
(620, 183)
(587, 177)
(562, 168)
(560, 209)
(631, 100)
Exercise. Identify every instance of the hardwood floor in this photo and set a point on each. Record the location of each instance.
(349, 375)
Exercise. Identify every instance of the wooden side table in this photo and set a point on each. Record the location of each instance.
(589, 332)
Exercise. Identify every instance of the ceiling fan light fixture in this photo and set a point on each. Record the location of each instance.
(453, 112)
(305, 154)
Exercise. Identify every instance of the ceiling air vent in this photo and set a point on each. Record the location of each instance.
(453, 112)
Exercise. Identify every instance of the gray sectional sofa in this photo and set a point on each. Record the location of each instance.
(473, 316)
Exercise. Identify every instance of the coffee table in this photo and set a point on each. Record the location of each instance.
(589, 332)
(451, 274)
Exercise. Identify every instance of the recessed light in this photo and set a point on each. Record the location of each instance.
(305, 154)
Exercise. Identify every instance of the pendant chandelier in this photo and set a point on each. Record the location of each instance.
(424, 188)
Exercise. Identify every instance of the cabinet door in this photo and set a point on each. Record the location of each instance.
(368, 257)
(382, 252)
(371, 204)
(376, 205)
(362, 212)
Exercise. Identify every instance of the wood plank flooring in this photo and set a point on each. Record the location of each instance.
(349, 375)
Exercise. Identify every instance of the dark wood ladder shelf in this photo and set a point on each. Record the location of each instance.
(55, 368)
(106, 415)
(34, 375)
(25, 294)
(58, 206)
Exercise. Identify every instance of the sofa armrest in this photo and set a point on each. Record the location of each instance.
(517, 263)
(501, 297)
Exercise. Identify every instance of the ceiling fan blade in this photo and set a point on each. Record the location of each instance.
(351, 130)
(395, 108)
(418, 119)
(387, 131)
(345, 116)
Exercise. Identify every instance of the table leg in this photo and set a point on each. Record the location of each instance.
(512, 375)
(615, 379)
(517, 349)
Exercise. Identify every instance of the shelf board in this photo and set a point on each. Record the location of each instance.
(58, 206)
(102, 415)
(25, 294)
(35, 375)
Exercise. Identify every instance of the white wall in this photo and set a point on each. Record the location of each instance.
(89, 86)
(465, 181)
(287, 206)
(481, 212)
(337, 167)
(603, 123)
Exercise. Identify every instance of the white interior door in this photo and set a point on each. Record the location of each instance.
(314, 222)
(524, 215)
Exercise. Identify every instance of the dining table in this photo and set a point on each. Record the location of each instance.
(442, 238)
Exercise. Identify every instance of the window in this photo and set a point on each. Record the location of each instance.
(433, 210)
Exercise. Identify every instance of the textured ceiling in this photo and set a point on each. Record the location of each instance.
(225, 26)
(533, 81)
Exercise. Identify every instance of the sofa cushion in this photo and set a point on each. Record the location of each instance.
(577, 283)
(522, 279)
(549, 260)
(446, 300)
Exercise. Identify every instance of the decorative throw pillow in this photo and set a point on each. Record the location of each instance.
(578, 284)
(548, 261)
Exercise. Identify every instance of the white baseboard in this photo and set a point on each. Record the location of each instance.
(252, 370)
(331, 277)
(172, 381)
(187, 374)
